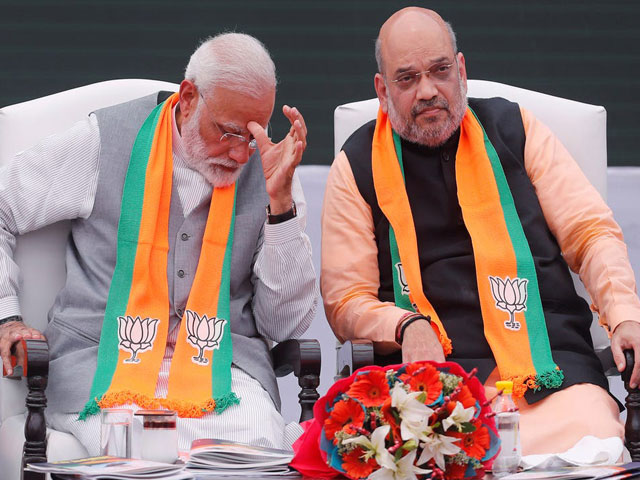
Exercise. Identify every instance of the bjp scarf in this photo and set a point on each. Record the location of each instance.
(136, 320)
(512, 313)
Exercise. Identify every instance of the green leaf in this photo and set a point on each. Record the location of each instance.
(467, 427)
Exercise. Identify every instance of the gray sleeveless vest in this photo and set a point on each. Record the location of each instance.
(75, 321)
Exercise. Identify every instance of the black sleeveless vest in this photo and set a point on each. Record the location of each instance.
(446, 253)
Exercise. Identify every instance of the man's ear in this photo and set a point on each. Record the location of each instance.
(381, 91)
(188, 98)
(462, 69)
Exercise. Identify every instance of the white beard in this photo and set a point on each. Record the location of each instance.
(198, 159)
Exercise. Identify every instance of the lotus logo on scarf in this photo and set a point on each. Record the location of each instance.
(204, 334)
(136, 335)
(510, 297)
(401, 279)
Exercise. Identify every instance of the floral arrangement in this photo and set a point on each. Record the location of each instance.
(421, 419)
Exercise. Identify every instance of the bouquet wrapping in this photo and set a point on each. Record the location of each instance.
(416, 420)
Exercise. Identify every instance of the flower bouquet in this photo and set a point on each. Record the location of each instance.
(421, 419)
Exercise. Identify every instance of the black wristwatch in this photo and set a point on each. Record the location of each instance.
(281, 217)
(13, 318)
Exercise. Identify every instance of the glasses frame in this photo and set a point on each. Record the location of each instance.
(427, 72)
(226, 137)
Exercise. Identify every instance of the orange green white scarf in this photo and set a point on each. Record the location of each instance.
(512, 313)
(136, 320)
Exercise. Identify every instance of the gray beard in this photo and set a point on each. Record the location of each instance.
(198, 159)
(433, 135)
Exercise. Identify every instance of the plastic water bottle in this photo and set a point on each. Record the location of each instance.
(508, 424)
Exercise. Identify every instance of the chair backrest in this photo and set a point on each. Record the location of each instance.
(582, 129)
(21, 126)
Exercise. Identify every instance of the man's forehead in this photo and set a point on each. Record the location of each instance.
(414, 36)
(234, 109)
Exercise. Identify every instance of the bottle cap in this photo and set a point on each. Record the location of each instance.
(506, 386)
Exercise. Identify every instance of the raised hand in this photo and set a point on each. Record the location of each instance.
(279, 160)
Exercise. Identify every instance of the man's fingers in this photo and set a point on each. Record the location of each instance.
(293, 114)
(618, 356)
(259, 134)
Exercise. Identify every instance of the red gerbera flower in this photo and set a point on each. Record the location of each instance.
(355, 465)
(390, 418)
(344, 414)
(476, 443)
(424, 377)
(455, 471)
(465, 397)
(370, 388)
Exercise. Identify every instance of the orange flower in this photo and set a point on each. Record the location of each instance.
(428, 381)
(356, 466)
(476, 443)
(465, 397)
(390, 419)
(371, 388)
(345, 413)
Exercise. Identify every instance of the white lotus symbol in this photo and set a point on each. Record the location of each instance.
(136, 335)
(402, 279)
(511, 297)
(204, 333)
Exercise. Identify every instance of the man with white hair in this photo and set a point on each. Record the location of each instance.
(448, 229)
(176, 275)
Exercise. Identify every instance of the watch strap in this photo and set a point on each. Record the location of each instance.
(281, 217)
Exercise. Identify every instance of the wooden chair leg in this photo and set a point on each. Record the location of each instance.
(303, 358)
(35, 427)
(632, 403)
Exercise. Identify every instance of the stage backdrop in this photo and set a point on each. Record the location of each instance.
(584, 50)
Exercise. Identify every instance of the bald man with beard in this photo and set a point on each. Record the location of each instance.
(449, 228)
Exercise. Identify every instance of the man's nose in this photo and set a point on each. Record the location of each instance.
(426, 88)
(240, 153)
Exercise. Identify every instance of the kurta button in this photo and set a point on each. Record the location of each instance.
(445, 157)
(181, 273)
(184, 236)
(179, 312)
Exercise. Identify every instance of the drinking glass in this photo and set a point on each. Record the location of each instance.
(115, 432)
(159, 440)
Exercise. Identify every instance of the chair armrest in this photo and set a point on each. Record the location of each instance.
(36, 371)
(302, 357)
(632, 403)
(352, 355)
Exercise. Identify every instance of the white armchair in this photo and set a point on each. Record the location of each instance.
(582, 128)
(41, 258)
(43, 269)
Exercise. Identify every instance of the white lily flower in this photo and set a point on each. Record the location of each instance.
(417, 430)
(458, 416)
(408, 406)
(375, 447)
(437, 446)
(405, 470)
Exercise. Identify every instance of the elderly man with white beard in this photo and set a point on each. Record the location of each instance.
(187, 252)
(449, 226)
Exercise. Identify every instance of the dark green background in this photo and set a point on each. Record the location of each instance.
(583, 50)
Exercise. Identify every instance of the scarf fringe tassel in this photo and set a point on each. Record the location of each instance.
(184, 409)
(550, 379)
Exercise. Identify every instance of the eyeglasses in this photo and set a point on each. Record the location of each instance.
(232, 139)
(439, 73)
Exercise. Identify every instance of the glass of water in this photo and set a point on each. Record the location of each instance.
(115, 432)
